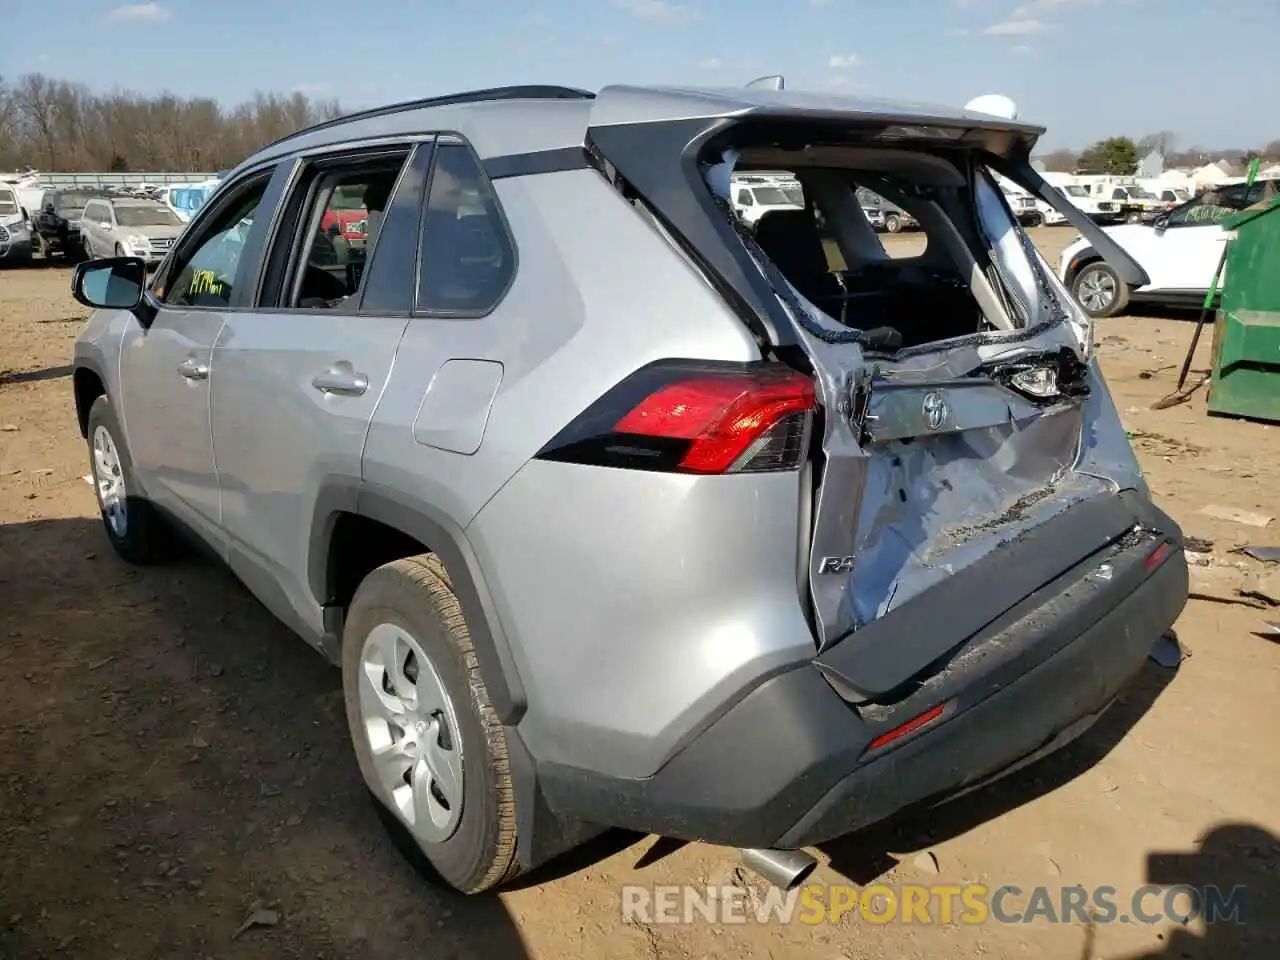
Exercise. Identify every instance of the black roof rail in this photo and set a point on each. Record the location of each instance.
(527, 92)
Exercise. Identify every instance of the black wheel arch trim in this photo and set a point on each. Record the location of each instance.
(446, 539)
(1081, 260)
(82, 413)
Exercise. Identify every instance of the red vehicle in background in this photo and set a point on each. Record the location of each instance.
(345, 217)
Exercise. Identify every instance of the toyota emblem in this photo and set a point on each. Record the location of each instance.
(935, 410)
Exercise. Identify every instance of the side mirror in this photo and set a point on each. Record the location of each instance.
(113, 284)
(50, 208)
(26, 217)
(1161, 223)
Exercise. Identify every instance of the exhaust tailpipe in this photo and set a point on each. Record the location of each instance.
(782, 868)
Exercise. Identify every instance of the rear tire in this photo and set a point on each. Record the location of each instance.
(137, 531)
(1035, 220)
(1099, 290)
(415, 694)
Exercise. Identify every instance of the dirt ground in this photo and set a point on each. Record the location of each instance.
(172, 759)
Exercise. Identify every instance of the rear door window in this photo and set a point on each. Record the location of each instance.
(331, 228)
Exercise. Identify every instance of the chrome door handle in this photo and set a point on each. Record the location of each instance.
(193, 370)
(341, 380)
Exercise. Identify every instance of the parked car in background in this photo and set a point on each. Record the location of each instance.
(55, 227)
(1099, 211)
(128, 227)
(1025, 208)
(754, 196)
(185, 199)
(884, 215)
(612, 515)
(15, 230)
(347, 218)
(1172, 195)
(1179, 250)
(1168, 196)
(1135, 202)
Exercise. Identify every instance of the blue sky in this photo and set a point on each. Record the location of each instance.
(1083, 68)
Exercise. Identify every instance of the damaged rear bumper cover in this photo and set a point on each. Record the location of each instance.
(791, 763)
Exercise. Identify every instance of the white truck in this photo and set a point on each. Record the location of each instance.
(1134, 202)
(755, 194)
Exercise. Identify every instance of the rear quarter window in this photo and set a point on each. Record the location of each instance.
(468, 258)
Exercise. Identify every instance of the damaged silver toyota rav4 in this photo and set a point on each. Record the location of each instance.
(617, 513)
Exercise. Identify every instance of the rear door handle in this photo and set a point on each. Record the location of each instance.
(341, 379)
(193, 369)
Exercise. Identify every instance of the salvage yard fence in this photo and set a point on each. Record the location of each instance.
(99, 180)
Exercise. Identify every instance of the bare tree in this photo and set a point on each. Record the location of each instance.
(59, 126)
(1164, 142)
(37, 103)
(1061, 161)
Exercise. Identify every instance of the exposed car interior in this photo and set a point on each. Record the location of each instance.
(832, 256)
(335, 258)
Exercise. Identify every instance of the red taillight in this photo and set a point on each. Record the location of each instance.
(1157, 556)
(695, 417)
(912, 725)
(721, 417)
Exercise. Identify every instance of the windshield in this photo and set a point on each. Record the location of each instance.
(70, 202)
(771, 196)
(147, 217)
(1074, 191)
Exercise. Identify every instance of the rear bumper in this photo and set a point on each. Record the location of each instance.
(790, 764)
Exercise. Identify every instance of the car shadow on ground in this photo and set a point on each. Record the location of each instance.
(864, 856)
(173, 760)
(33, 376)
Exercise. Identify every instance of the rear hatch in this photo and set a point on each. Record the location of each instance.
(960, 405)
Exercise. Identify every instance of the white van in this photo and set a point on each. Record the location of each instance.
(15, 228)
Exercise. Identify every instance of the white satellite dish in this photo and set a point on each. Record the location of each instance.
(994, 104)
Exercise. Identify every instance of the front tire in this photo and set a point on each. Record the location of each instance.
(429, 745)
(893, 223)
(1099, 290)
(137, 531)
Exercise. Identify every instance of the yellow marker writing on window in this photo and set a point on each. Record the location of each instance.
(205, 281)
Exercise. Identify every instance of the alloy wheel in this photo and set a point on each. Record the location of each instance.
(1096, 290)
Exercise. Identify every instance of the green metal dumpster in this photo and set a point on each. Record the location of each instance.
(1246, 333)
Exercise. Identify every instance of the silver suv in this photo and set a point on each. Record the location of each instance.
(615, 513)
